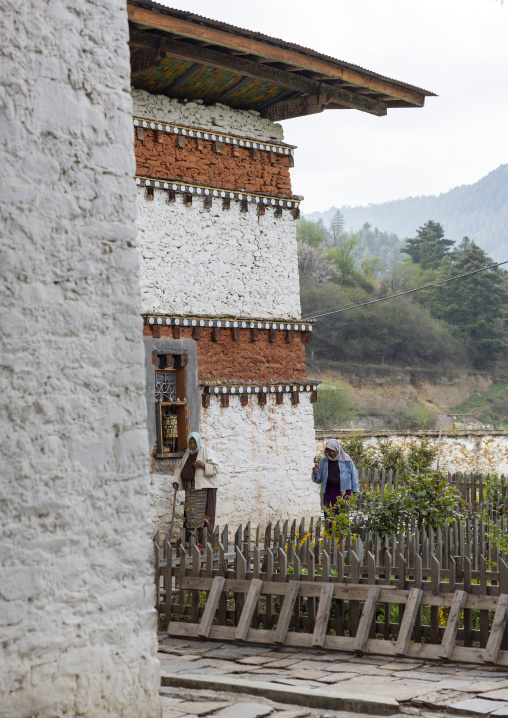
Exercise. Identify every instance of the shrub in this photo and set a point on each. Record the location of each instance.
(494, 491)
(426, 499)
(362, 457)
(423, 416)
(392, 457)
(338, 517)
(421, 457)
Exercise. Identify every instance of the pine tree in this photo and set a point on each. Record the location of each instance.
(476, 305)
(429, 247)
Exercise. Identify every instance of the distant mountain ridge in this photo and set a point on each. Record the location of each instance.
(479, 210)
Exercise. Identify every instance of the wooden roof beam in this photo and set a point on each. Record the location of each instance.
(168, 23)
(146, 60)
(296, 107)
(205, 56)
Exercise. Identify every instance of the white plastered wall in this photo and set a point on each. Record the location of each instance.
(216, 118)
(215, 262)
(266, 455)
(76, 583)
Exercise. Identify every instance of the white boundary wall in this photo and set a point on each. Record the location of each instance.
(215, 262)
(76, 586)
(463, 452)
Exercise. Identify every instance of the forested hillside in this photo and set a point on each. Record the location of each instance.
(479, 210)
(461, 324)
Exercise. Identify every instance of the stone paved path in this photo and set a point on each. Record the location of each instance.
(407, 686)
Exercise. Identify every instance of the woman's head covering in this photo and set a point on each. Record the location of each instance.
(199, 442)
(334, 445)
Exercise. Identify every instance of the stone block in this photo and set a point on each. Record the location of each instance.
(202, 708)
(359, 668)
(501, 711)
(499, 694)
(400, 666)
(396, 690)
(484, 686)
(256, 660)
(245, 710)
(475, 707)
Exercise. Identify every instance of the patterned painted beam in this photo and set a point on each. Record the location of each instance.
(227, 323)
(260, 389)
(202, 190)
(213, 136)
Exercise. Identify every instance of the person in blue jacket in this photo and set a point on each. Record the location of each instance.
(336, 473)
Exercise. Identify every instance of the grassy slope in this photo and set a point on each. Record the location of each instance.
(491, 407)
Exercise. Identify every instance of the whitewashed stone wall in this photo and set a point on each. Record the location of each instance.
(217, 117)
(266, 456)
(215, 262)
(477, 451)
(77, 621)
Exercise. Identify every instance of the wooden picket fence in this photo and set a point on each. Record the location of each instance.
(460, 553)
(424, 593)
(392, 597)
(346, 618)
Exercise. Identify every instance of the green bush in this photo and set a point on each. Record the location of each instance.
(427, 499)
(420, 457)
(362, 457)
(494, 491)
(392, 457)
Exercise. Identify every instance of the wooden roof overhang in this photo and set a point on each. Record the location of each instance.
(182, 55)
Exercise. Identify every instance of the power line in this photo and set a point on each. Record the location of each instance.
(313, 317)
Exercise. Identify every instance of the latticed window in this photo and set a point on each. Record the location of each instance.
(165, 386)
(171, 405)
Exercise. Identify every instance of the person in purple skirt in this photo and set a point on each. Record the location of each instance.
(336, 473)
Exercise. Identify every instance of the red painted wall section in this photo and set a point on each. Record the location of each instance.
(243, 360)
(158, 155)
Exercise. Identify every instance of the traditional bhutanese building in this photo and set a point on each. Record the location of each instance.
(224, 339)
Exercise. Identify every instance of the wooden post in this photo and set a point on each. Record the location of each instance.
(368, 617)
(435, 579)
(412, 615)
(452, 625)
(286, 612)
(491, 652)
(249, 609)
(211, 606)
(323, 615)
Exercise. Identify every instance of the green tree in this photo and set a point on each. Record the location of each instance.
(337, 225)
(429, 247)
(313, 233)
(371, 267)
(343, 256)
(476, 305)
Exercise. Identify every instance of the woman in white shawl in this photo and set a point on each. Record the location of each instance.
(196, 473)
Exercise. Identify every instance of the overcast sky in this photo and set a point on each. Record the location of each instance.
(455, 48)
